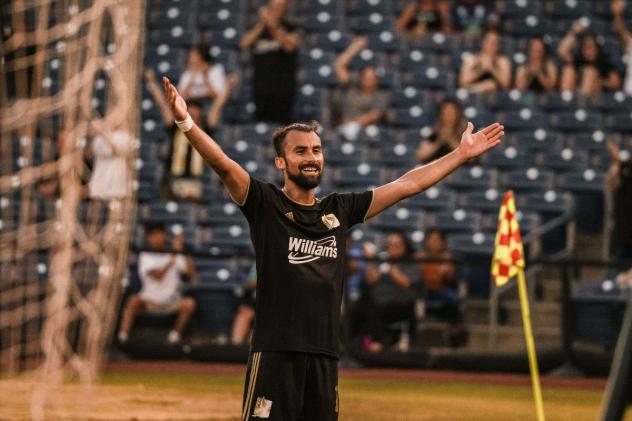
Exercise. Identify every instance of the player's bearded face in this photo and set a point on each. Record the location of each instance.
(306, 175)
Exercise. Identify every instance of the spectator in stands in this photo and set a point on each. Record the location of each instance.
(110, 152)
(589, 70)
(424, 16)
(472, 16)
(446, 133)
(362, 103)
(488, 70)
(618, 8)
(274, 41)
(161, 274)
(539, 74)
(392, 290)
(206, 81)
(439, 277)
(246, 309)
(619, 182)
(186, 166)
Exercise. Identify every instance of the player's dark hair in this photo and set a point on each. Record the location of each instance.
(153, 227)
(438, 232)
(409, 248)
(279, 134)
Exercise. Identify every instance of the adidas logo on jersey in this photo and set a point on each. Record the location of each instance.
(304, 251)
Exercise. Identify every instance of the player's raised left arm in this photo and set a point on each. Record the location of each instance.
(419, 179)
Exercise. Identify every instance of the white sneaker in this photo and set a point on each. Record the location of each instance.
(173, 337)
(123, 337)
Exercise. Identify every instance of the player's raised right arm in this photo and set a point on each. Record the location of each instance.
(234, 177)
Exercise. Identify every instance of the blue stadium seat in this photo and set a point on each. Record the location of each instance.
(409, 96)
(218, 18)
(561, 101)
(509, 157)
(567, 9)
(471, 177)
(222, 214)
(575, 121)
(413, 116)
(487, 201)
(530, 25)
(619, 122)
(524, 119)
(174, 15)
(518, 8)
(513, 100)
(399, 218)
(322, 21)
(587, 186)
(397, 155)
(345, 154)
(535, 140)
(334, 40)
(531, 179)
(359, 176)
(386, 41)
(374, 23)
(363, 7)
(430, 77)
(563, 160)
(436, 198)
(453, 221)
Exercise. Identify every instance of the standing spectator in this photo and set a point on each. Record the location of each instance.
(439, 277)
(619, 182)
(589, 70)
(186, 166)
(161, 278)
(274, 42)
(471, 16)
(446, 133)
(359, 104)
(539, 73)
(424, 16)
(109, 179)
(488, 70)
(618, 8)
(246, 309)
(206, 81)
(392, 291)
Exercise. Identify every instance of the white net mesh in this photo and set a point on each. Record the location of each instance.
(69, 93)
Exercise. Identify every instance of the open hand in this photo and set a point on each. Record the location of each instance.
(176, 103)
(473, 145)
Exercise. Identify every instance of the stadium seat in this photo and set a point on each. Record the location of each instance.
(471, 177)
(530, 179)
(453, 221)
(400, 218)
(575, 121)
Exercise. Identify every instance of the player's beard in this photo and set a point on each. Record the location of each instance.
(304, 181)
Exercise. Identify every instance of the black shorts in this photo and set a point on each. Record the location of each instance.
(291, 386)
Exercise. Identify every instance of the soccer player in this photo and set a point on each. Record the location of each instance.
(299, 243)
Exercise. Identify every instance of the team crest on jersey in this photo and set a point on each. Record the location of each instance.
(262, 408)
(290, 216)
(305, 251)
(330, 221)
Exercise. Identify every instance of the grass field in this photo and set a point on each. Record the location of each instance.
(181, 396)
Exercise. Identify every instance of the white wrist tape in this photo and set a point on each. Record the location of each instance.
(186, 124)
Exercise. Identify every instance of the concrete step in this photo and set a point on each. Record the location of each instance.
(512, 337)
(543, 313)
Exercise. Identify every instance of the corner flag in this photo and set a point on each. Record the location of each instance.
(509, 263)
(508, 250)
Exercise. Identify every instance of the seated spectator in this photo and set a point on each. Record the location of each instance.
(246, 309)
(361, 103)
(391, 291)
(273, 42)
(424, 16)
(110, 177)
(206, 82)
(539, 73)
(472, 16)
(446, 133)
(588, 70)
(439, 277)
(618, 8)
(487, 71)
(160, 274)
(186, 165)
(619, 182)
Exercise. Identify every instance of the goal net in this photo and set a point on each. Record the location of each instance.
(69, 95)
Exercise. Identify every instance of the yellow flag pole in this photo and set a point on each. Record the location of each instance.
(528, 335)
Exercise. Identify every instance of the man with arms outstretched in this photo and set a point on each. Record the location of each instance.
(299, 243)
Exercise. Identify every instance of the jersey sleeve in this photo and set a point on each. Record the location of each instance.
(257, 198)
(355, 206)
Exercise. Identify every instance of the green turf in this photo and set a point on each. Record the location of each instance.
(379, 400)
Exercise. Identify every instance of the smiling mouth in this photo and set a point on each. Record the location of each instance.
(310, 170)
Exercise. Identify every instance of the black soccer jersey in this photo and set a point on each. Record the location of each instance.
(300, 254)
